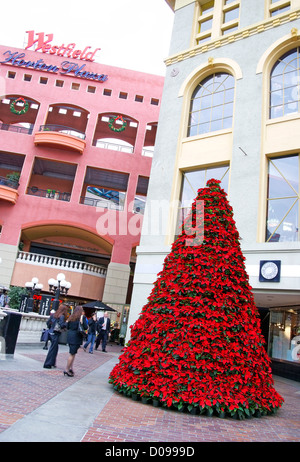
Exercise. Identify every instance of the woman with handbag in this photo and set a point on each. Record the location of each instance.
(77, 325)
(56, 324)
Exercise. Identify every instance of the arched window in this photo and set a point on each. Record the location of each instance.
(211, 106)
(284, 85)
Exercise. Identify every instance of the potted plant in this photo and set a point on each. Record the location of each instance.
(13, 179)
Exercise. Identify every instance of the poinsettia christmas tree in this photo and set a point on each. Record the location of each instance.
(197, 342)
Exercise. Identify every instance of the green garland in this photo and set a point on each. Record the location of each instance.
(22, 111)
(113, 120)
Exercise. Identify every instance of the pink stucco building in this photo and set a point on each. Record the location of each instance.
(76, 140)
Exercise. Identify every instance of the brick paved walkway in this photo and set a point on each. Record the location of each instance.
(135, 421)
(24, 389)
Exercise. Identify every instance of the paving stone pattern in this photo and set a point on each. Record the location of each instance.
(25, 386)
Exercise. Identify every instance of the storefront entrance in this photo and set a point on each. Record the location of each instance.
(281, 329)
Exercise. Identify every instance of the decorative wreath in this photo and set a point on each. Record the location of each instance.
(21, 111)
(113, 127)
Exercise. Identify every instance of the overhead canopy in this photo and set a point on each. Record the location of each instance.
(98, 305)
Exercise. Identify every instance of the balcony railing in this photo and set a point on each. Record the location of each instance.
(49, 193)
(62, 129)
(104, 198)
(105, 204)
(147, 152)
(16, 128)
(61, 263)
(113, 146)
(9, 183)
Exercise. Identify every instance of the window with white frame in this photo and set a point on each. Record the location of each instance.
(205, 21)
(216, 18)
(231, 16)
(283, 204)
(279, 6)
(284, 85)
(211, 107)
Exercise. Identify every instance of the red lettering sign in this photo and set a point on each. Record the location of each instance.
(68, 51)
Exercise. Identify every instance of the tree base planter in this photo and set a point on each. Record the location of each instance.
(156, 403)
(194, 411)
(198, 339)
(182, 409)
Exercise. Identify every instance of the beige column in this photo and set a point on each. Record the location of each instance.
(116, 283)
(8, 255)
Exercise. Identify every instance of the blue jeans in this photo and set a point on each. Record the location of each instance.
(90, 340)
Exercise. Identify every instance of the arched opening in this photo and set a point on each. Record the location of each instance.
(18, 113)
(115, 131)
(67, 118)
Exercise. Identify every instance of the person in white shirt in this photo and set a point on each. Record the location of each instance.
(103, 327)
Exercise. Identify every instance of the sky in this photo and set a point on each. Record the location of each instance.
(132, 34)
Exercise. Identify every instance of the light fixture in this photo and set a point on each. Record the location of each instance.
(58, 286)
(33, 286)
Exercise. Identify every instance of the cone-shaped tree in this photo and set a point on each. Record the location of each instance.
(197, 342)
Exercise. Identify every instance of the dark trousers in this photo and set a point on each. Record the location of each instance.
(102, 337)
(53, 350)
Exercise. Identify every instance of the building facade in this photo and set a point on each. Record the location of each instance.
(230, 110)
(76, 144)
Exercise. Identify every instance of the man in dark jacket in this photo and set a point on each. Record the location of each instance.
(103, 327)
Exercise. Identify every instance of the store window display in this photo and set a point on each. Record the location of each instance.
(284, 341)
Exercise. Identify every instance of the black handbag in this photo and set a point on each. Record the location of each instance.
(45, 335)
(57, 328)
(81, 330)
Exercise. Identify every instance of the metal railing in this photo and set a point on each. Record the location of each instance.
(105, 204)
(147, 152)
(62, 129)
(9, 183)
(113, 146)
(49, 193)
(15, 128)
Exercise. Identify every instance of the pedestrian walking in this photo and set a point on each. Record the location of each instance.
(45, 337)
(92, 323)
(103, 328)
(74, 337)
(4, 299)
(56, 324)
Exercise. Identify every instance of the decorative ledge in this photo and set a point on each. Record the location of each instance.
(8, 194)
(239, 35)
(59, 140)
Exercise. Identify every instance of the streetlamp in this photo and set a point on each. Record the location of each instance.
(33, 286)
(58, 286)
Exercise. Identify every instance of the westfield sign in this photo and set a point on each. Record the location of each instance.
(67, 65)
(67, 51)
